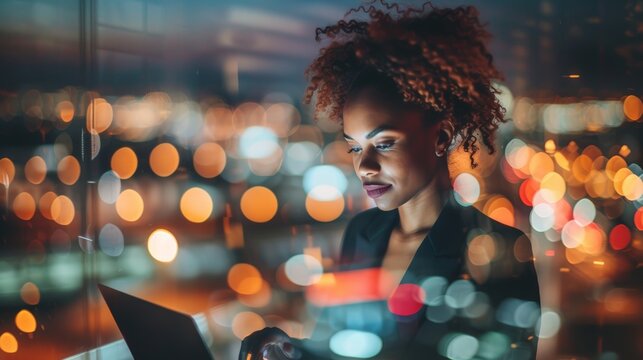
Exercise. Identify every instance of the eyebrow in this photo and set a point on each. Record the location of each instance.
(374, 132)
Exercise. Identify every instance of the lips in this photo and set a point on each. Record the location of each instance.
(376, 190)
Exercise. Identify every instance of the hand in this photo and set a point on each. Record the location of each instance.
(268, 343)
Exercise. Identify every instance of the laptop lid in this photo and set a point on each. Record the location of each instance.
(152, 331)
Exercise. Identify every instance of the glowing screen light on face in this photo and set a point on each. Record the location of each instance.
(355, 344)
(467, 189)
(325, 175)
(258, 142)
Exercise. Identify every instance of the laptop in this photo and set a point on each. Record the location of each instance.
(152, 331)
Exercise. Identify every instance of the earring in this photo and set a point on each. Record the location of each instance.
(439, 154)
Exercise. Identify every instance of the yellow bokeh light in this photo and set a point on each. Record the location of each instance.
(8, 343)
(245, 323)
(632, 187)
(500, 209)
(45, 204)
(164, 159)
(25, 321)
(124, 162)
(582, 167)
(63, 210)
(619, 178)
(129, 205)
(65, 111)
(36, 170)
(24, 206)
(7, 171)
(162, 245)
(574, 256)
(30, 293)
(259, 204)
(624, 151)
(196, 205)
(209, 160)
(632, 107)
(540, 165)
(561, 160)
(245, 279)
(555, 186)
(614, 164)
(325, 208)
(99, 115)
(68, 170)
(550, 146)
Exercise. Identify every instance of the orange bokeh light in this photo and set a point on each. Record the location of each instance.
(164, 159)
(99, 115)
(24, 206)
(62, 210)
(632, 107)
(245, 279)
(218, 123)
(325, 210)
(540, 165)
(124, 162)
(65, 111)
(129, 205)
(68, 170)
(36, 170)
(259, 204)
(7, 171)
(45, 204)
(259, 299)
(25, 321)
(196, 205)
(8, 343)
(209, 160)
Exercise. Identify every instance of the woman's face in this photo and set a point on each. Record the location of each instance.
(393, 151)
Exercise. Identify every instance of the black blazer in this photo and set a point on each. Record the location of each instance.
(506, 290)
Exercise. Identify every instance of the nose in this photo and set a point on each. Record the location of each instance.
(367, 165)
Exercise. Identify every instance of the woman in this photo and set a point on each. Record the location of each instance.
(408, 86)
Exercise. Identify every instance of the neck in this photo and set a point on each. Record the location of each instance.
(422, 210)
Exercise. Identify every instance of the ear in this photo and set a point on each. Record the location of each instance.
(446, 132)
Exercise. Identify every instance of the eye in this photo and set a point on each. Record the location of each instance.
(384, 146)
(354, 149)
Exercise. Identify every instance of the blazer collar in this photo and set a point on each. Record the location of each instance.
(447, 237)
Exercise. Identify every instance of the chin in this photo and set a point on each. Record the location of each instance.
(384, 205)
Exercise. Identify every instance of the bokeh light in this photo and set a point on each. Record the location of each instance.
(68, 170)
(258, 142)
(406, 300)
(324, 175)
(164, 159)
(36, 170)
(458, 346)
(620, 237)
(245, 323)
(63, 210)
(124, 162)
(584, 212)
(573, 234)
(324, 203)
(162, 245)
(553, 187)
(209, 160)
(129, 205)
(283, 119)
(44, 204)
(245, 279)
(111, 240)
(196, 205)
(25, 321)
(7, 171)
(548, 324)
(355, 344)
(24, 206)
(259, 204)
(109, 187)
(467, 189)
(481, 250)
(632, 107)
(65, 111)
(99, 115)
(8, 343)
(303, 270)
(30, 293)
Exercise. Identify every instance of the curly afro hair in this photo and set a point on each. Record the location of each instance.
(436, 59)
